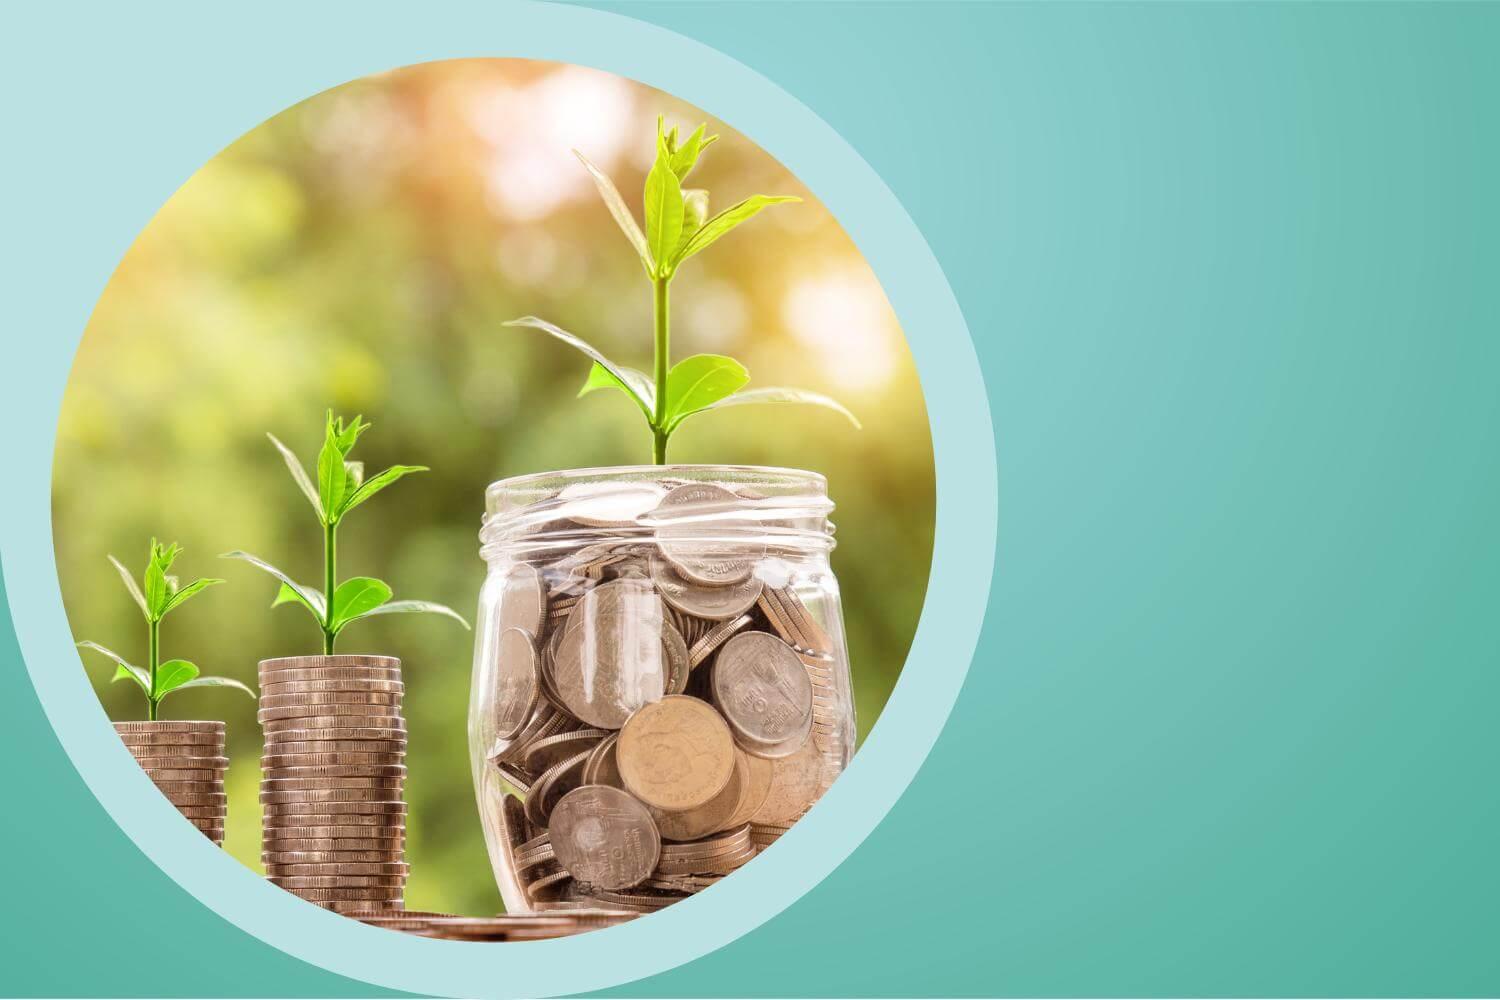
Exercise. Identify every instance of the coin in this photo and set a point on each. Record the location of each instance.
(325, 845)
(331, 663)
(196, 798)
(611, 664)
(177, 749)
(552, 750)
(304, 730)
(609, 504)
(702, 544)
(762, 688)
(714, 637)
(328, 796)
(332, 685)
(359, 675)
(206, 777)
(602, 768)
(275, 783)
(296, 714)
(794, 788)
(336, 764)
(318, 699)
(552, 785)
(725, 843)
(604, 837)
(523, 604)
(759, 772)
(394, 747)
(336, 867)
(713, 815)
(176, 763)
(189, 788)
(516, 681)
(675, 657)
(203, 812)
(676, 753)
(174, 738)
(349, 894)
(297, 828)
(704, 601)
(327, 807)
(336, 771)
(169, 727)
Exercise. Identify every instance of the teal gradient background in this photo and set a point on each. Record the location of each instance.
(1231, 727)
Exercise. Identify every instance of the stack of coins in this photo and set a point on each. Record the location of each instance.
(664, 703)
(334, 819)
(186, 761)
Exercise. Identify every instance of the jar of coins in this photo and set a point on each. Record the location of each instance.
(660, 685)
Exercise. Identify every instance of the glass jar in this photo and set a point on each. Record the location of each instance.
(660, 686)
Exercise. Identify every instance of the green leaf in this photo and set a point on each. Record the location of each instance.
(332, 477)
(132, 586)
(418, 607)
(355, 473)
(156, 589)
(781, 394)
(309, 598)
(299, 475)
(368, 489)
(174, 674)
(286, 595)
(202, 682)
(602, 378)
(357, 597)
(348, 434)
(136, 674)
(700, 381)
(636, 384)
(178, 596)
(726, 220)
(685, 157)
(618, 209)
(664, 210)
(123, 668)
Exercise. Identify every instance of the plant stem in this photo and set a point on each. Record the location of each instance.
(330, 554)
(153, 657)
(662, 355)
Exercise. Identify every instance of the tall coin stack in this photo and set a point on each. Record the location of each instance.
(334, 819)
(186, 761)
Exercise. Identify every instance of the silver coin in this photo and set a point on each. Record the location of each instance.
(716, 603)
(604, 837)
(704, 545)
(516, 682)
(762, 688)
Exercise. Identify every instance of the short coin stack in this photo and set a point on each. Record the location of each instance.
(332, 776)
(186, 761)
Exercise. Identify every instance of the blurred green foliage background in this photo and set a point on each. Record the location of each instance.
(360, 251)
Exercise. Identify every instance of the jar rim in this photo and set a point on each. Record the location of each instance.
(773, 473)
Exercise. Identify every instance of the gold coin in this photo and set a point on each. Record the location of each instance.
(205, 776)
(329, 662)
(335, 765)
(174, 763)
(336, 771)
(325, 796)
(279, 686)
(174, 738)
(278, 784)
(713, 815)
(339, 869)
(177, 749)
(309, 730)
(367, 827)
(170, 727)
(349, 894)
(317, 699)
(321, 807)
(795, 785)
(296, 845)
(341, 713)
(675, 754)
(291, 748)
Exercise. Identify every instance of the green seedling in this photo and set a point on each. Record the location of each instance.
(678, 227)
(340, 488)
(157, 594)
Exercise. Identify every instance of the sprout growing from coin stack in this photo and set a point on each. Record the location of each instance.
(185, 760)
